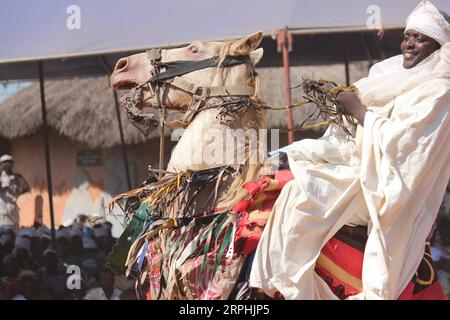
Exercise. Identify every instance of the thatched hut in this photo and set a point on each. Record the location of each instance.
(85, 146)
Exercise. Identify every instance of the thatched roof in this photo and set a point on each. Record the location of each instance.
(83, 108)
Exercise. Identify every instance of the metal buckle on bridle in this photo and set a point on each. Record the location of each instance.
(154, 55)
(143, 121)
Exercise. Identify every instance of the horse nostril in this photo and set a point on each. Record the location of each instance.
(121, 65)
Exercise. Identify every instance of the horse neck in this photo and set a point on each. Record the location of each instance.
(200, 138)
(207, 141)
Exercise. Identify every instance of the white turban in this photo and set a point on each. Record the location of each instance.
(22, 242)
(75, 231)
(28, 232)
(100, 231)
(62, 233)
(89, 243)
(427, 20)
(6, 157)
(41, 230)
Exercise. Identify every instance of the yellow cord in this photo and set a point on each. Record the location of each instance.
(313, 126)
(302, 103)
(299, 104)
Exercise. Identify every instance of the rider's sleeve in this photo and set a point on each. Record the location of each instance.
(405, 167)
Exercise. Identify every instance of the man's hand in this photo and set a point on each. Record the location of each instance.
(352, 105)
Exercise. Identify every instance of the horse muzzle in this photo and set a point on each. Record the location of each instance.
(130, 72)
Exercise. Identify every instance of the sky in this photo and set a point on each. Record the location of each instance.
(8, 89)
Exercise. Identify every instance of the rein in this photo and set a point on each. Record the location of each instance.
(168, 74)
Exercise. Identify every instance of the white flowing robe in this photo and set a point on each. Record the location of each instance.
(392, 177)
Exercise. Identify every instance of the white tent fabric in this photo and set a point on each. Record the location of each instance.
(34, 30)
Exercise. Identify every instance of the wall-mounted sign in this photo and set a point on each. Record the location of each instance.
(89, 158)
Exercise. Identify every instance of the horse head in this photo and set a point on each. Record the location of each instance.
(206, 66)
(197, 80)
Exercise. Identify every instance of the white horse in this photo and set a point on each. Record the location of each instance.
(216, 86)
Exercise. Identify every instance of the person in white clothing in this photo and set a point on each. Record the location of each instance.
(12, 185)
(390, 178)
(107, 290)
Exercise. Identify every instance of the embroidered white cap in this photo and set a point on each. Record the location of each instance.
(75, 231)
(100, 231)
(28, 232)
(427, 20)
(89, 243)
(22, 241)
(6, 157)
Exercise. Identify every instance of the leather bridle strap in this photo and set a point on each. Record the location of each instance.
(182, 67)
(199, 94)
(206, 92)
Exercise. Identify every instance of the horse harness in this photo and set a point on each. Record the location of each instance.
(171, 77)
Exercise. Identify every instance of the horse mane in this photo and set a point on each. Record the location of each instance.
(253, 81)
(249, 171)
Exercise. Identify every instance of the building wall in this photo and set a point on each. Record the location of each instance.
(76, 189)
(5, 146)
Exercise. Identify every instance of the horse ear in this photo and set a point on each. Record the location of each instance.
(256, 56)
(246, 45)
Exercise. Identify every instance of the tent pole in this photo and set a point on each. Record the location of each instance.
(284, 41)
(161, 147)
(47, 153)
(122, 140)
(366, 49)
(344, 42)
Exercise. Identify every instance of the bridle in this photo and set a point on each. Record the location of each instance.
(161, 80)
(168, 74)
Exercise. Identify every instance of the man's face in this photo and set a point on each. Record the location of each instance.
(29, 287)
(7, 166)
(51, 261)
(416, 47)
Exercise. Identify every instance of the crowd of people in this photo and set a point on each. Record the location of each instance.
(73, 269)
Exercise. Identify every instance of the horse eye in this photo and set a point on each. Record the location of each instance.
(194, 49)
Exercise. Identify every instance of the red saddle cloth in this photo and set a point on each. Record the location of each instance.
(340, 262)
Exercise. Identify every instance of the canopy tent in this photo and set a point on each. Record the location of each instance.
(57, 38)
(77, 35)
(307, 49)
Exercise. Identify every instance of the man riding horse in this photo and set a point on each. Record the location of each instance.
(353, 221)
